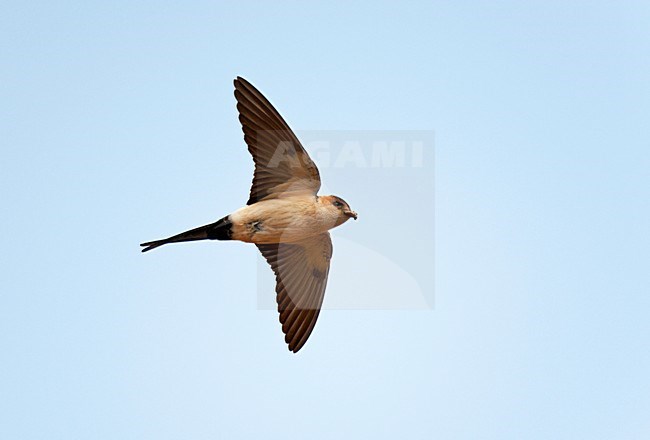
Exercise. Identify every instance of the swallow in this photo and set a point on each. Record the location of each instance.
(284, 217)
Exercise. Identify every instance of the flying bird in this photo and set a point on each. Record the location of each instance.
(284, 217)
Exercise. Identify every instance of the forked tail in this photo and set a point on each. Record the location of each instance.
(220, 230)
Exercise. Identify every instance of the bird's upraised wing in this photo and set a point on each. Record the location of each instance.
(301, 270)
(282, 166)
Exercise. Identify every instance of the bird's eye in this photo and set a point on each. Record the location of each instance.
(338, 204)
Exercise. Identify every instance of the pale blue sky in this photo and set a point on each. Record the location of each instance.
(118, 125)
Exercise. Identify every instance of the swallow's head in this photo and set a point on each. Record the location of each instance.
(340, 207)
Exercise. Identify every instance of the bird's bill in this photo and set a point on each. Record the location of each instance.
(351, 214)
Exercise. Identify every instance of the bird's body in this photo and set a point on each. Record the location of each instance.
(284, 220)
(284, 216)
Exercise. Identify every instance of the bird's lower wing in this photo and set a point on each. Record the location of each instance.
(301, 270)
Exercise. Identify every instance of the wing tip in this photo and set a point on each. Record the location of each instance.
(240, 81)
(295, 348)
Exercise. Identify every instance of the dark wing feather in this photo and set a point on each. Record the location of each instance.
(301, 270)
(282, 166)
